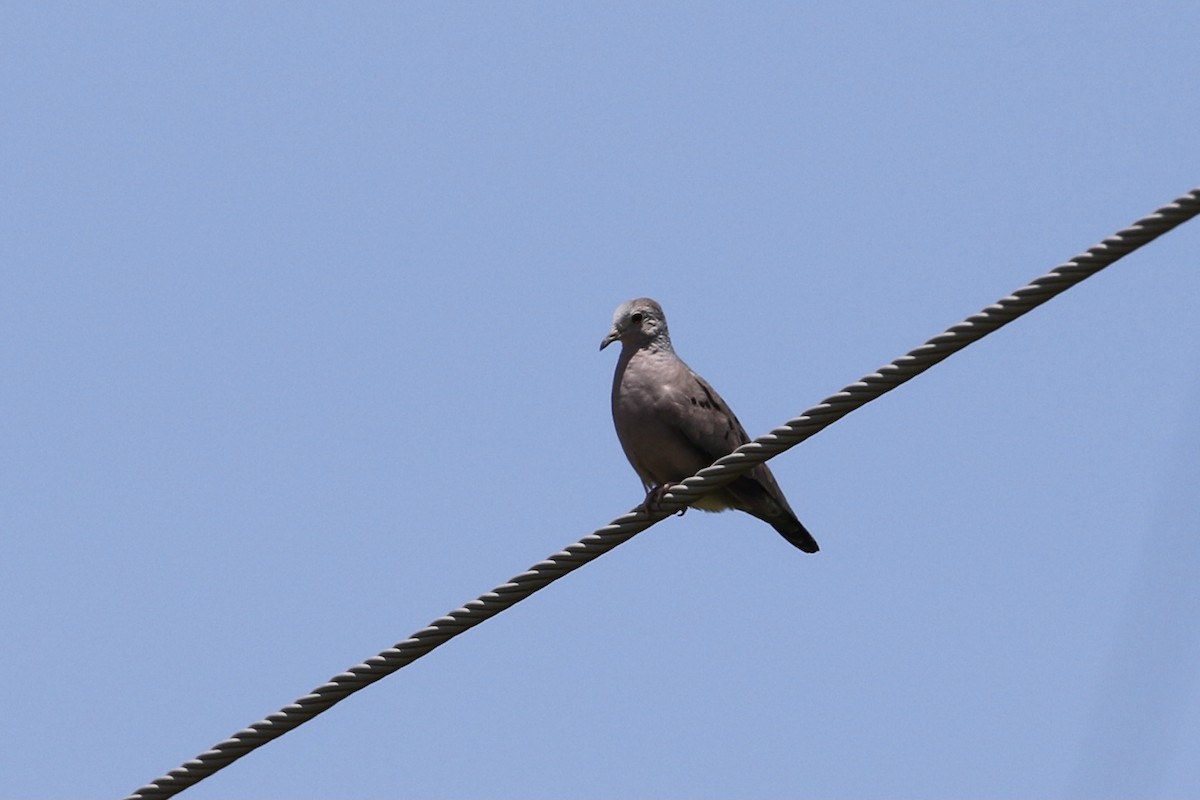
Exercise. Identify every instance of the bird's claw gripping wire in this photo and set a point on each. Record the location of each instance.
(654, 499)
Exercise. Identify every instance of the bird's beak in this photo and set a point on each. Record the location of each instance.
(613, 335)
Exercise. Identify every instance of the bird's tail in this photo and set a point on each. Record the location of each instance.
(790, 528)
(758, 495)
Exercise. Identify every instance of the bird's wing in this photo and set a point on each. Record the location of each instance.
(702, 417)
(712, 430)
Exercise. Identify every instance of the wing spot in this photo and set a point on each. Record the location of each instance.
(711, 401)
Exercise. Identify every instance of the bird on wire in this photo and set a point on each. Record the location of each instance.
(672, 424)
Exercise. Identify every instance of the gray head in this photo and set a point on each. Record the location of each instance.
(639, 323)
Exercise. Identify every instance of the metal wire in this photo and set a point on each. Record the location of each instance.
(623, 528)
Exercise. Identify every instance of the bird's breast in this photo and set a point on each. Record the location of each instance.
(646, 411)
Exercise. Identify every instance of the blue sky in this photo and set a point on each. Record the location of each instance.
(298, 333)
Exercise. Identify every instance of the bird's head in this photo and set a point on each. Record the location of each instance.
(638, 323)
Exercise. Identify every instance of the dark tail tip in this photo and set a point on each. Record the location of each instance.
(797, 535)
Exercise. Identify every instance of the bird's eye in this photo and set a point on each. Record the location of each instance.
(636, 318)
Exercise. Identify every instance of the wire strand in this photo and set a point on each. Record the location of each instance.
(625, 527)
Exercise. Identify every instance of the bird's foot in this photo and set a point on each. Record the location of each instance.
(654, 499)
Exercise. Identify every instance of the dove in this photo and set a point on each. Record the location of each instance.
(672, 424)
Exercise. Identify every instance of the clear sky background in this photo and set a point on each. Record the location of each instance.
(298, 336)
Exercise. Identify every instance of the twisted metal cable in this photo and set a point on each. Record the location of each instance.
(726, 469)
